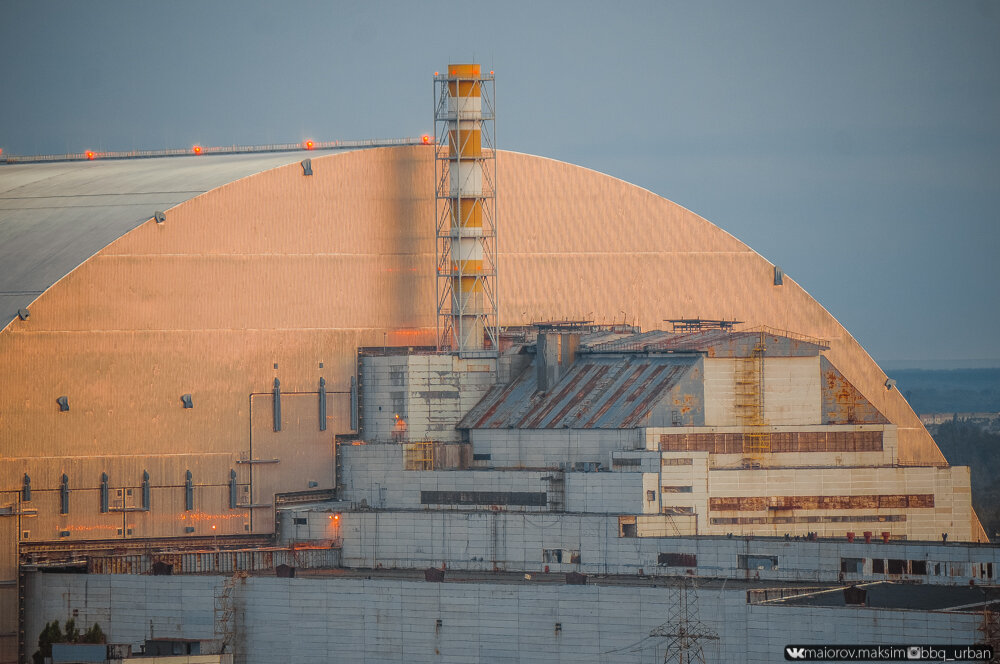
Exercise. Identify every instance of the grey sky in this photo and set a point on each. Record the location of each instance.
(856, 144)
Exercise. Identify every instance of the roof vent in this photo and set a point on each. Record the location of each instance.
(889, 383)
(159, 216)
(23, 314)
(307, 167)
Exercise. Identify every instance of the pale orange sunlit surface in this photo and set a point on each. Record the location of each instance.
(109, 328)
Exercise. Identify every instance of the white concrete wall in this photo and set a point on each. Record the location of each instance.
(888, 456)
(546, 448)
(431, 392)
(603, 493)
(720, 392)
(379, 620)
(374, 474)
(792, 393)
(792, 390)
(951, 512)
(515, 541)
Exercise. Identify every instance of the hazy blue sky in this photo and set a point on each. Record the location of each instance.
(856, 144)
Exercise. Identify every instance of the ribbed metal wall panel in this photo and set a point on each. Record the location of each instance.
(282, 269)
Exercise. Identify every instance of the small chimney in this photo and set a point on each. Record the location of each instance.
(554, 355)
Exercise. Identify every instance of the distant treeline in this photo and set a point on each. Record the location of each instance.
(954, 391)
(965, 444)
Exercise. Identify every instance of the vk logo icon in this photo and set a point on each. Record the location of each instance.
(795, 653)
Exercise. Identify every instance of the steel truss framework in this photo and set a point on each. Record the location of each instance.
(454, 313)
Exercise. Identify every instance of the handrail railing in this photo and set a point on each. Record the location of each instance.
(200, 151)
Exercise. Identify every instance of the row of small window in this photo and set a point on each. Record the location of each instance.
(651, 493)
(748, 562)
(849, 565)
(124, 498)
(917, 567)
(823, 518)
(561, 556)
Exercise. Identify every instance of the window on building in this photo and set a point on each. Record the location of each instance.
(299, 520)
(552, 555)
(677, 489)
(677, 462)
(852, 565)
(677, 560)
(878, 566)
(896, 566)
(650, 495)
(918, 566)
(751, 561)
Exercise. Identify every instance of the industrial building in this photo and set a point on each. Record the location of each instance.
(383, 369)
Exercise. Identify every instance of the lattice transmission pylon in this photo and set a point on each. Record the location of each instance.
(686, 634)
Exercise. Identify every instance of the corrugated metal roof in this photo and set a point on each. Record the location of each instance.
(598, 392)
(717, 343)
(54, 216)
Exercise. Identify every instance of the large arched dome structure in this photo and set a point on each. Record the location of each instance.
(260, 272)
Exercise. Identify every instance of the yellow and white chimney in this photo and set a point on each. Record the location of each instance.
(467, 306)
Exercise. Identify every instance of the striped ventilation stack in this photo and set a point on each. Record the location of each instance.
(466, 231)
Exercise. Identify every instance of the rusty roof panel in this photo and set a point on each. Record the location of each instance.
(715, 343)
(598, 392)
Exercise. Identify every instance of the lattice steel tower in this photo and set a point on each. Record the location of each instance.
(686, 634)
(465, 211)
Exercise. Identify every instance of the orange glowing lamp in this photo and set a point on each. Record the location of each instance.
(90, 154)
(309, 145)
(426, 138)
(196, 149)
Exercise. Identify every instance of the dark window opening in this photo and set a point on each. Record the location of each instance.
(897, 566)
(878, 566)
(525, 498)
(758, 562)
(677, 560)
(918, 566)
(852, 565)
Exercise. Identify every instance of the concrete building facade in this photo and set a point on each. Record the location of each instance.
(184, 375)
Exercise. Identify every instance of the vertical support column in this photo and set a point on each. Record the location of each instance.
(465, 176)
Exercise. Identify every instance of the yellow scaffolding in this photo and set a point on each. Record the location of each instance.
(749, 393)
(419, 455)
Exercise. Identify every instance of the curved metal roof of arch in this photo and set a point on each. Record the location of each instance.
(308, 269)
(575, 243)
(54, 216)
